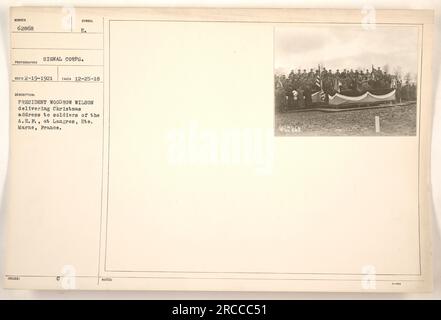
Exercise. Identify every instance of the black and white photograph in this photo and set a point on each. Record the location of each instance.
(346, 80)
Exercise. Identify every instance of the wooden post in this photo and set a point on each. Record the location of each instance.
(377, 124)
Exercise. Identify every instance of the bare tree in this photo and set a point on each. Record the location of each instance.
(407, 78)
(398, 73)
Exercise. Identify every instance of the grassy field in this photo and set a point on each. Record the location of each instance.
(394, 121)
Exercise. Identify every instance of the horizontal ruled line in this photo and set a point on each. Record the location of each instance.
(217, 278)
(51, 81)
(75, 32)
(58, 49)
(58, 65)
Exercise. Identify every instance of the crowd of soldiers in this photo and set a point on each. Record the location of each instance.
(296, 89)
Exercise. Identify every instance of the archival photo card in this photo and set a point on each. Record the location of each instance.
(213, 149)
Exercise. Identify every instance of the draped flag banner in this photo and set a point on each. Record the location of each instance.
(319, 96)
(367, 97)
(316, 97)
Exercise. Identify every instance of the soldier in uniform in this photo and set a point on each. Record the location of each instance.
(379, 72)
(398, 91)
(413, 91)
(307, 95)
(300, 97)
(291, 77)
(289, 94)
(280, 94)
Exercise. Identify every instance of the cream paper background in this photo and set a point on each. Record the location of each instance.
(326, 204)
(201, 221)
(311, 185)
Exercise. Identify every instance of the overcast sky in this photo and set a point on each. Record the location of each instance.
(343, 46)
